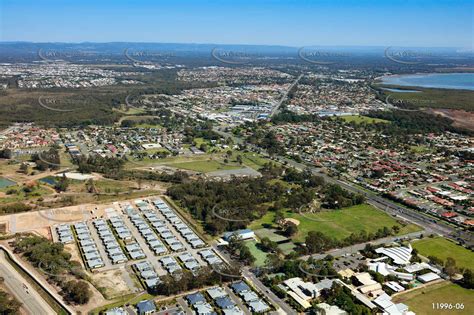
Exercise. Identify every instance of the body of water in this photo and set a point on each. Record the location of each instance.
(6, 182)
(458, 81)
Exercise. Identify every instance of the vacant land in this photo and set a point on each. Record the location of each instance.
(421, 301)
(339, 224)
(363, 119)
(443, 248)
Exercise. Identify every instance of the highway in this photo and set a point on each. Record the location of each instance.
(31, 301)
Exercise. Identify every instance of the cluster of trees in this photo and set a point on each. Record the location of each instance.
(108, 166)
(162, 118)
(342, 297)
(408, 122)
(54, 261)
(450, 268)
(310, 270)
(239, 251)
(203, 130)
(47, 160)
(14, 208)
(226, 206)
(317, 242)
(5, 154)
(287, 116)
(176, 177)
(336, 197)
(62, 184)
(8, 304)
(187, 281)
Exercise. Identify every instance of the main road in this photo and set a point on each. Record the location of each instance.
(277, 106)
(31, 301)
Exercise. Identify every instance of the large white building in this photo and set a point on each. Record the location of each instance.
(400, 255)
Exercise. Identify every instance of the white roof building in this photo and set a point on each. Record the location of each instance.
(326, 309)
(399, 255)
(428, 277)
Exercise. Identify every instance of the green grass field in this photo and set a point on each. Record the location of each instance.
(421, 301)
(363, 119)
(204, 166)
(339, 223)
(266, 219)
(251, 159)
(443, 248)
(259, 255)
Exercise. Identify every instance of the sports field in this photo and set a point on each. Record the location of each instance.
(339, 223)
(260, 256)
(421, 300)
(443, 248)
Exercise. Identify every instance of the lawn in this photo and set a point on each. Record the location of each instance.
(251, 159)
(363, 119)
(338, 223)
(443, 248)
(204, 166)
(259, 255)
(267, 219)
(341, 223)
(421, 301)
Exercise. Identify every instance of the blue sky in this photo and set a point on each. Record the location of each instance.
(415, 23)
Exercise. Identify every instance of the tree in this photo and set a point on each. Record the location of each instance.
(77, 291)
(24, 168)
(468, 279)
(290, 229)
(63, 183)
(317, 242)
(239, 159)
(278, 217)
(90, 186)
(245, 255)
(8, 304)
(450, 266)
(396, 229)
